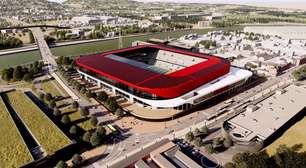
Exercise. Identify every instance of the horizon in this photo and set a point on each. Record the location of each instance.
(295, 4)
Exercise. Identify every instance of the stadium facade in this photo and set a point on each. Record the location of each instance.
(159, 77)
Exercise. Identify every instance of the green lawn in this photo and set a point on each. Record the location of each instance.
(50, 87)
(45, 131)
(75, 116)
(18, 59)
(86, 48)
(13, 150)
(294, 135)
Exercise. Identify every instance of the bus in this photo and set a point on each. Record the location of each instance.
(114, 130)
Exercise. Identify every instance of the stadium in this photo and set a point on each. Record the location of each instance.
(159, 78)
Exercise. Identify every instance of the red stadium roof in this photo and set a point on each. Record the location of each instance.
(163, 85)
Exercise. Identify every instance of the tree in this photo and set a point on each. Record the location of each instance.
(197, 132)
(73, 130)
(75, 104)
(217, 142)
(66, 119)
(48, 97)
(76, 159)
(227, 143)
(93, 121)
(209, 149)
(59, 60)
(102, 96)
(95, 139)
(27, 77)
(101, 131)
(6, 74)
(52, 104)
(189, 136)
(198, 142)
(229, 165)
(86, 136)
(57, 112)
(112, 104)
(61, 164)
(31, 37)
(42, 96)
(119, 112)
(84, 112)
(17, 74)
(205, 130)
(83, 90)
(89, 94)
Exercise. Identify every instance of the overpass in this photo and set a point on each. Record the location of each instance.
(33, 26)
(49, 60)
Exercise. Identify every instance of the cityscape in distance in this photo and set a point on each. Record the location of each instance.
(152, 84)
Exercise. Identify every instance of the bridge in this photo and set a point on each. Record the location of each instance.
(49, 60)
(33, 26)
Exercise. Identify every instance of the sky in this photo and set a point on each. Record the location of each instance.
(298, 4)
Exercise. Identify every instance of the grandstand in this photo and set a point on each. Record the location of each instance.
(161, 78)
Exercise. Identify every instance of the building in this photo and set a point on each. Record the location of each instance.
(260, 122)
(162, 79)
(160, 154)
(287, 32)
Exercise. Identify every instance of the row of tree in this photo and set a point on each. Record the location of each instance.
(208, 43)
(110, 102)
(7, 42)
(19, 73)
(300, 74)
(76, 161)
(218, 144)
(285, 157)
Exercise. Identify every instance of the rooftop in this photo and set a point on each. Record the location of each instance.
(182, 76)
(270, 114)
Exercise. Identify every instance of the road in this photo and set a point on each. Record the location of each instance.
(197, 120)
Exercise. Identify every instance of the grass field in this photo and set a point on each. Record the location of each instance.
(50, 87)
(78, 119)
(13, 150)
(294, 135)
(45, 131)
(18, 59)
(87, 48)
